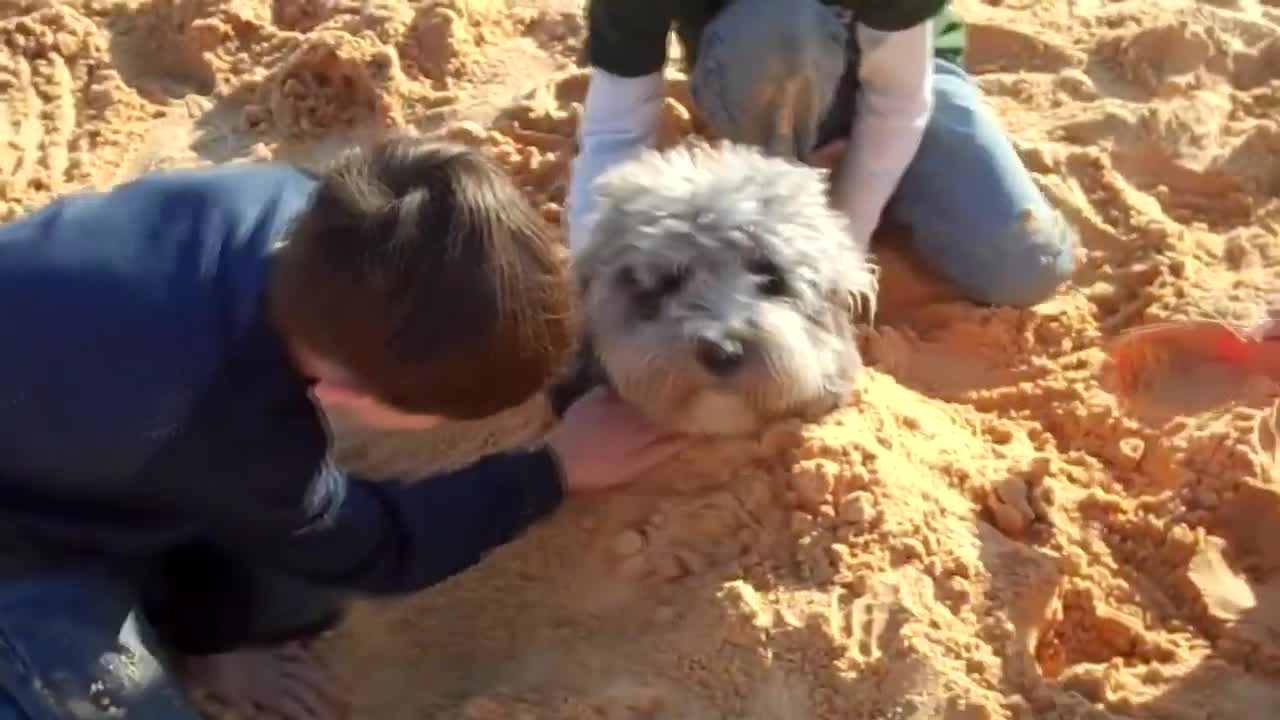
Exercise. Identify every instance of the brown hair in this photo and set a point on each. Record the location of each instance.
(422, 270)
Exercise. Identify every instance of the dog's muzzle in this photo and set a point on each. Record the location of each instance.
(720, 355)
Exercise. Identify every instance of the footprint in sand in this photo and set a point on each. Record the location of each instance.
(1153, 56)
(1267, 438)
(876, 619)
(913, 686)
(38, 116)
(996, 48)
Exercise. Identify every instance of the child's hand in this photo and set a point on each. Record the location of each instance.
(603, 442)
(829, 156)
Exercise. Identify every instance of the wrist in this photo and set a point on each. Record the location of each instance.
(862, 221)
(556, 455)
(620, 117)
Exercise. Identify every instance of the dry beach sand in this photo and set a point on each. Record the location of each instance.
(984, 534)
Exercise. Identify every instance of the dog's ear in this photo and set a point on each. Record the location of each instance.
(589, 261)
(581, 376)
(581, 276)
(608, 221)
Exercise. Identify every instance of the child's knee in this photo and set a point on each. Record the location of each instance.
(10, 709)
(766, 69)
(1027, 260)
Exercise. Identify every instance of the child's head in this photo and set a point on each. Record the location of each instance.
(420, 280)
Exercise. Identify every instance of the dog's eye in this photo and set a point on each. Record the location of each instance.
(646, 308)
(669, 282)
(662, 284)
(647, 299)
(769, 276)
(626, 278)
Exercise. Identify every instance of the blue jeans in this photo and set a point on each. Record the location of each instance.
(79, 642)
(75, 645)
(976, 216)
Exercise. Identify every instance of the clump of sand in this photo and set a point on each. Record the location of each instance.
(985, 533)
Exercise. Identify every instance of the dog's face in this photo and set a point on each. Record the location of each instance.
(721, 289)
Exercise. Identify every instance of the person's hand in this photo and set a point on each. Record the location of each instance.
(829, 156)
(1268, 329)
(603, 442)
(289, 681)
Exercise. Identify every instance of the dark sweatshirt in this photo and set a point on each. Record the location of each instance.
(146, 401)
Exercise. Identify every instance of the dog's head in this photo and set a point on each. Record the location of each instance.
(721, 289)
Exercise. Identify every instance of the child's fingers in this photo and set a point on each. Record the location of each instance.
(316, 679)
(291, 705)
(829, 155)
(660, 449)
(311, 681)
(645, 431)
(1267, 330)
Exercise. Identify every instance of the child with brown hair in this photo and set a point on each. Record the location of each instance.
(168, 504)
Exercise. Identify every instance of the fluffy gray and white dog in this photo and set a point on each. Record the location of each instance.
(721, 290)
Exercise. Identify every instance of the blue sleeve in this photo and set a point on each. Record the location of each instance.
(251, 471)
(386, 537)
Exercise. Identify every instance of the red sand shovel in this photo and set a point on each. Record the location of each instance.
(1187, 357)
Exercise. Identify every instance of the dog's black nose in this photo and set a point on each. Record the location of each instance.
(720, 356)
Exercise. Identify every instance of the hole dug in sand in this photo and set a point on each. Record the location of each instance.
(327, 83)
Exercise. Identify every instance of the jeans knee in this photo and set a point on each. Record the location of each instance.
(1029, 262)
(759, 31)
(10, 709)
(760, 62)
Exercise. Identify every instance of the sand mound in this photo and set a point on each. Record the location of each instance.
(985, 533)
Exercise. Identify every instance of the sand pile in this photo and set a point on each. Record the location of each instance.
(983, 534)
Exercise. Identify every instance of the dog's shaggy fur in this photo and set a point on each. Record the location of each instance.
(721, 289)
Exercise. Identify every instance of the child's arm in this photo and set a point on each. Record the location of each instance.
(393, 537)
(893, 105)
(313, 520)
(627, 51)
(619, 119)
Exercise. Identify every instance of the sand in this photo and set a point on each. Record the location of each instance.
(988, 532)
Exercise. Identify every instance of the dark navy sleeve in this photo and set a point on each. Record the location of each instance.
(395, 537)
(896, 16)
(629, 37)
(254, 465)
